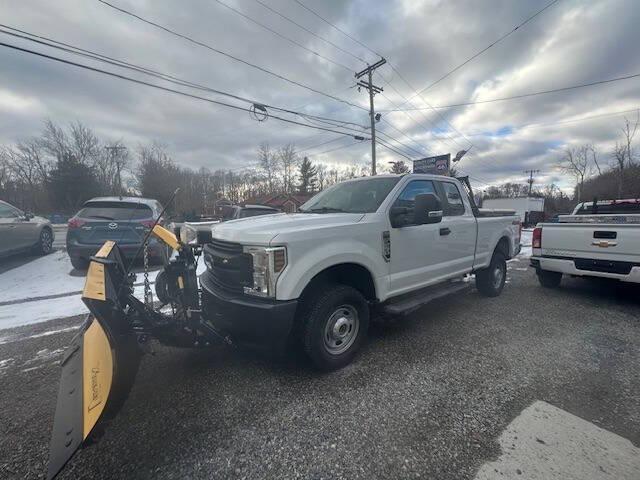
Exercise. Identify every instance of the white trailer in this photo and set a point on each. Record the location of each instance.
(529, 209)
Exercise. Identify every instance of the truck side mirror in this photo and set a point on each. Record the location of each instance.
(398, 215)
(428, 209)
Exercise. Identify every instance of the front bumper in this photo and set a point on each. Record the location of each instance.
(248, 320)
(567, 266)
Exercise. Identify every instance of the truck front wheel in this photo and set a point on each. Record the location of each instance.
(549, 279)
(335, 323)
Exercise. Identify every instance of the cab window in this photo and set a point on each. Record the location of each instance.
(407, 197)
(453, 205)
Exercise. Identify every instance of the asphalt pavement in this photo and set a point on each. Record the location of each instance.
(427, 397)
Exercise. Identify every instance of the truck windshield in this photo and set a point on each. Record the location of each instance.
(360, 196)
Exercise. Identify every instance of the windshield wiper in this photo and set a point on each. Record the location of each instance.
(326, 210)
(101, 217)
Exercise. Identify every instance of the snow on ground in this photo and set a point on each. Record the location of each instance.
(525, 240)
(47, 276)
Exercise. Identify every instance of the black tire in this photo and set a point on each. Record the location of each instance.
(79, 263)
(162, 288)
(490, 281)
(347, 310)
(549, 279)
(45, 242)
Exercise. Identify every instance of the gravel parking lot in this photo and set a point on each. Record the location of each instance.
(427, 397)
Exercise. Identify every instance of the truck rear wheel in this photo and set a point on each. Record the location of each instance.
(335, 323)
(549, 279)
(490, 281)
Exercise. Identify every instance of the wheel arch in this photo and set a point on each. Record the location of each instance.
(348, 273)
(504, 246)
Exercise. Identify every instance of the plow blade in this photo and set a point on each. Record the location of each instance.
(99, 366)
(95, 381)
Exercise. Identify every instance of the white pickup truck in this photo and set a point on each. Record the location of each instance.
(385, 243)
(599, 239)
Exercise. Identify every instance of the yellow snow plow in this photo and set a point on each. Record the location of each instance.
(101, 363)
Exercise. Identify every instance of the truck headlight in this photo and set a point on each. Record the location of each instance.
(268, 264)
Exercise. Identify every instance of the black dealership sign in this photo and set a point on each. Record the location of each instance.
(438, 165)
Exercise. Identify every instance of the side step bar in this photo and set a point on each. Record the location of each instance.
(407, 304)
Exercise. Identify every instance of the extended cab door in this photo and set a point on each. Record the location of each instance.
(418, 252)
(458, 229)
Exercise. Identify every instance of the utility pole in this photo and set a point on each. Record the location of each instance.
(372, 91)
(113, 151)
(530, 181)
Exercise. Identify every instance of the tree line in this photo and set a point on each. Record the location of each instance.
(614, 175)
(59, 169)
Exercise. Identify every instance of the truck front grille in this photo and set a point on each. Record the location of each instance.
(228, 269)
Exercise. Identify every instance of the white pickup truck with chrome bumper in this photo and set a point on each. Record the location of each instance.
(600, 239)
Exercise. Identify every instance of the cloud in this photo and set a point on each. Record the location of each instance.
(574, 41)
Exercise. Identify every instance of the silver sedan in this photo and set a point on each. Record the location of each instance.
(23, 232)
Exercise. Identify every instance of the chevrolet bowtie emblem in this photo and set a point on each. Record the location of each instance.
(604, 243)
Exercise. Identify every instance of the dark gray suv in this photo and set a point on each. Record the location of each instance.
(23, 232)
(123, 219)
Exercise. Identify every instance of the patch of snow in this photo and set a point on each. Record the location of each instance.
(5, 364)
(37, 367)
(45, 276)
(49, 277)
(44, 355)
(526, 240)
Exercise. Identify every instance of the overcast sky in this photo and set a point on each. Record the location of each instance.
(573, 42)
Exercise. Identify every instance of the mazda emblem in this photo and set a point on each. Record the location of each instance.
(113, 226)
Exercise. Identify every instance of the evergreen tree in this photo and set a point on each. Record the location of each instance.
(308, 176)
(399, 167)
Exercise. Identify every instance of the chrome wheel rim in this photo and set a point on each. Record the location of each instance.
(498, 276)
(46, 241)
(341, 329)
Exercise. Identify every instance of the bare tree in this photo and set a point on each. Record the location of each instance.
(289, 161)
(575, 162)
(322, 176)
(593, 151)
(624, 152)
(268, 163)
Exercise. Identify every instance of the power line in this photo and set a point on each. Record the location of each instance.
(228, 55)
(335, 148)
(379, 55)
(560, 122)
(477, 54)
(337, 28)
(163, 76)
(524, 95)
(322, 144)
(271, 9)
(290, 40)
(159, 87)
(389, 147)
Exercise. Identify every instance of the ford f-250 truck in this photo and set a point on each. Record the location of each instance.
(386, 243)
(599, 239)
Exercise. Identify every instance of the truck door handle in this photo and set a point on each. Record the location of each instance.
(445, 231)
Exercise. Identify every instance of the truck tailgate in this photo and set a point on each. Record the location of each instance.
(614, 242)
